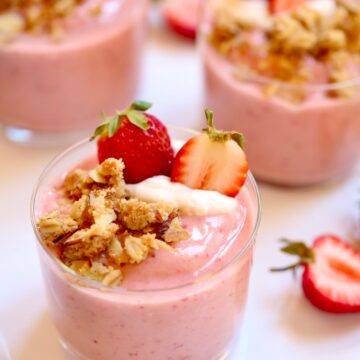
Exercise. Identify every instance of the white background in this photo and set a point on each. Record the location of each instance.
(280, 324)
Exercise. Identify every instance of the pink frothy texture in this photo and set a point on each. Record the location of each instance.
(196, 321)
(50, 86)
(286, 143)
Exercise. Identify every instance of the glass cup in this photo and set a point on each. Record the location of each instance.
(295, 136)
(52, 91)
(197, 320)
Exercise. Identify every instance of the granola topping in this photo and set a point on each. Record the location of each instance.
(294, 46)
(102, 229)
(37, 16)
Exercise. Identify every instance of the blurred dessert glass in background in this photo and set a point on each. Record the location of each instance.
(290, 81)
(62, 61)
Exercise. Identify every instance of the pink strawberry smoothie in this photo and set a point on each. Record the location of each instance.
(286, 143)
(59, 86)
(178, 305)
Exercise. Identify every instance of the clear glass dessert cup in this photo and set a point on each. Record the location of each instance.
(294, 137)
(197, 320)
(51, 91)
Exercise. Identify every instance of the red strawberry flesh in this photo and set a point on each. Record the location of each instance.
(139, 139)
(145, 153)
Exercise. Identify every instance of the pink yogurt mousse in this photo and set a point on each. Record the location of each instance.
(139, 320)
(287, 144)
(61, 86)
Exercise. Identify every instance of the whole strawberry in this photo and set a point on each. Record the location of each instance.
(139, 139)
(331, 277)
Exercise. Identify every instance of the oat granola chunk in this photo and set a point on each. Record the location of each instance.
(55, 226)
(103, 230)
(108, 174)
(175, 232)
(137, 215)
(38, 16)
(138, 248)
(76, 184)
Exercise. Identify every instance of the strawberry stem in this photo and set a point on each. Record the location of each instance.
(297, 248)
(286, 268)
(219, 135)
(135, 113)
(209, 118)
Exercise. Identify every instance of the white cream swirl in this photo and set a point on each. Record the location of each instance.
(188, 201)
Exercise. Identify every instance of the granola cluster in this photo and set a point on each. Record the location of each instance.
(36, 16)
(100, 229)
(293, 45)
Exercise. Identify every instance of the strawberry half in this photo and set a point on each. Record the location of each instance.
(182, 16)
(331, 277)
(213, 160)
(277, 6)
(139, 139)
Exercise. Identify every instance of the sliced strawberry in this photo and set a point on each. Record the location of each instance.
(182, 16)
(331, 277)
(277, 6)
(332, 283)
(139, 139)
(213, 160)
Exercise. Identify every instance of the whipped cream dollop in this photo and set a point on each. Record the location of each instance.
(188, 201)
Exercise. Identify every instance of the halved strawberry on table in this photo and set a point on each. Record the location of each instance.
(139, 139)
(213, 160)
(277, 6)
(331, 277)
(182, 16)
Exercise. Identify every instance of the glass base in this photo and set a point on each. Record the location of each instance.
(73, 355)
(31, 138)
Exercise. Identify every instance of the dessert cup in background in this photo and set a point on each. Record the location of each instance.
(52, 88)
(183, 315)
(297, 136)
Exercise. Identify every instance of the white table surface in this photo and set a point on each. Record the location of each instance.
(279, 324)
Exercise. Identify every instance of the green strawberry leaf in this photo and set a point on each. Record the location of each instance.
(141, 105)
(135, 114)
(99, 131)
(113, 125)
(238, 138)
(306, 254)
(297, 248)
(138, 119)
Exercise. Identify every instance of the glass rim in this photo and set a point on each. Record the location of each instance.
(263, 80)
(89, 283)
